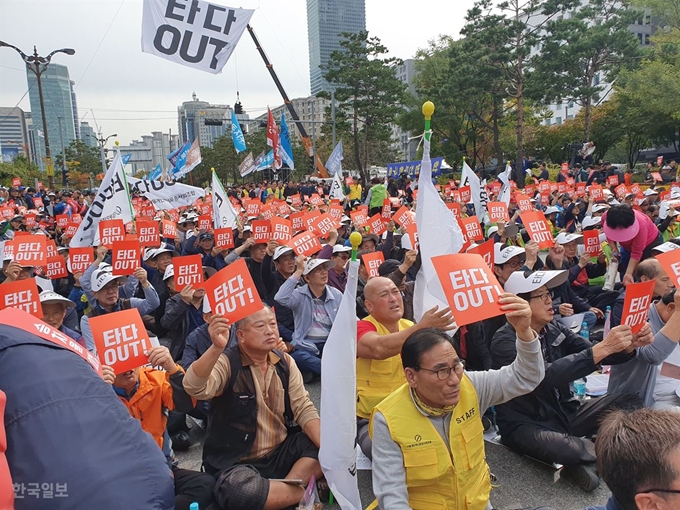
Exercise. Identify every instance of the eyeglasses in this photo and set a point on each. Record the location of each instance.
(546, 297)
(444, 373)
(670, 491)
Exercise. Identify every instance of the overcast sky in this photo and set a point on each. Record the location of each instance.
(133, 93)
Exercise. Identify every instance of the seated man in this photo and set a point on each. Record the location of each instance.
(148, 394)
(54, 309)
(638, 456)
(548, 424)
(314, 308)
(380, 337)
(428, 444)
(257, 397)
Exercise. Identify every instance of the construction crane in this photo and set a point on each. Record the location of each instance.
(306, 142)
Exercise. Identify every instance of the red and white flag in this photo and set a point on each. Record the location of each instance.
(273, 138)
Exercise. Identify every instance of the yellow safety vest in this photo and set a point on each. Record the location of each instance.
(436, 479)
(377, 378)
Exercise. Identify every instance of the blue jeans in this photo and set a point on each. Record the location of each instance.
(307, 361)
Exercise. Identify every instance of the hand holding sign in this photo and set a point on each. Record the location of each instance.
(219, 332)
(121, 339)
(231, 292)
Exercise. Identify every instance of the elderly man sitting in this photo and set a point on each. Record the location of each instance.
(257, 397)
(54, 307)
(380, 337)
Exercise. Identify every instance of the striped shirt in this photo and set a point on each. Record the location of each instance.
(271, 426)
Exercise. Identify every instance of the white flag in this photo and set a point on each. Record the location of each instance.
(224, 214)
(112, 201)
(334, 163)
(477, 190)
(438, 234)
(165, 195)
(504, 195)
(247, 165)
(336, 188)
(195, 34)
(338, 456)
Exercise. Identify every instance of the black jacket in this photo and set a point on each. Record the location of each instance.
(272, 281)
(567, 357)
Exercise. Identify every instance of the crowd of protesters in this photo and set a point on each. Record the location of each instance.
(244, 383)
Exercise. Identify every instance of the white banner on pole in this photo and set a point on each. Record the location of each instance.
(193, 33)
(165, 195)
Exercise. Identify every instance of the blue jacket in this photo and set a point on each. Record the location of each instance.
(300, 300)
(65, 426)
(612, 504)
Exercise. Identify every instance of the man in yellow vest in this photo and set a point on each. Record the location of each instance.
(428, 444)
(380, 337)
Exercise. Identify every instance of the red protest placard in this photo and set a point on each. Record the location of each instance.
(315, 199)
(8, 212)
(125, 257)
(305, 243)
(376, 224)
(471, 288)
(232, 293)
(486, 251)
(595, 192)
(261, 231)
(580, 189)
(544, 187)
(496, 187)
(188, 271)
(570, 181)
(657, 177)
(544, 198)
(308, 219)
(409, 241)
(224, 238)
(30, 251)
(51, 249)
(206, 209)
(282, 208)
(21, 294)
(71, 229)
(465, 194)
(591, 242)
(561, 187)
(252, 207)
(16, 182)
(386, 212)
(530, 189)
(323, 224)
(111, 231)
(472, 228)
(297, 221)
(62, 220)
(56, 267)
(636, 304)
(295, 200)
(121, 339)
(204, 223)
(282, 230)
(564, 168)
(336, 212)
(267, 211)
(621, 191)
(363, 208)
(613, 180)
(403, 217)
(170, 229)
(670, 261)
(538, 228)
(372, 262)
(359, 218)
(523, 202)
(76, 218)
(498, 211)
(635, 188)
(454, 208)
(147, 232)
(30, 220)
(79, 259)
(174, 215)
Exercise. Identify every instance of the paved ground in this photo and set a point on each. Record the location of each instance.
(522, 482)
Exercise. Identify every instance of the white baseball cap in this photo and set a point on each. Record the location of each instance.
(281, 250)
(590, 221)
(521, 282)
(312, 264)
(503, 253)
(492, 231)
(49, 297)
(600, 207)
(550, 210)
(339, 248)
(649, 192)
(169, 272)
(564, 238)
(102, 277)
(666, 247)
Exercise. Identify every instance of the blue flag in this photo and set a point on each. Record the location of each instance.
(287, 149)
(266, 162)
(237, 134)
(155, 173)
(334, 163)
(125, 159)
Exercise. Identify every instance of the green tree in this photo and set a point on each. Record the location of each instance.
(21, 167)
(369, 91)
(581, 52)
(79, 155)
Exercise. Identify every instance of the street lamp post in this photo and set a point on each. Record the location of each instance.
(102, 152)
(38, 65)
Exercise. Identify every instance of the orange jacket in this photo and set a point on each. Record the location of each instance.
(153, 394)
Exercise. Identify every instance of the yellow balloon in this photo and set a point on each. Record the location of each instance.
(355, 239)
(428, 109)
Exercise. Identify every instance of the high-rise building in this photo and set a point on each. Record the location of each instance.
(326, 20)
(59, 99)
(202, 120)
(14, 138)
(87, 134)
(311, 112)
(150, 151)
(406, 146)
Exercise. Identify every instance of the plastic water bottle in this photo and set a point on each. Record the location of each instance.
(610, 277)
(580, 388)
(193, 506)
(607, 321)
(585, 333)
